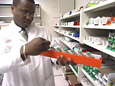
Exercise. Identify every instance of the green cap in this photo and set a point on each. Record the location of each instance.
(51, 47)
(58, 48)
(88, 53)
(79, 51)
(72, 50)
(65, 49)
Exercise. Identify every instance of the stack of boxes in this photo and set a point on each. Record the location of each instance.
(111, 40)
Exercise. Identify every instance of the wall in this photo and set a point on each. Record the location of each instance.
(51, 9)
(65, 5)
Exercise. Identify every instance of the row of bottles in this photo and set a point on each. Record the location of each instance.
(76, 51)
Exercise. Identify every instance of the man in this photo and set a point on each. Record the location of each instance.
(19, 57)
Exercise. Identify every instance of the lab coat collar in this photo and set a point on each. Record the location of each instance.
(17, 28)
(31, 30)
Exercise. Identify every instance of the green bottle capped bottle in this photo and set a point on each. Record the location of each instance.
(80, 53)
(65, 50)
(72, 51)
(52, 48)
(58, 49)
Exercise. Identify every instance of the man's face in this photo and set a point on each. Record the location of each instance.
(23, 13)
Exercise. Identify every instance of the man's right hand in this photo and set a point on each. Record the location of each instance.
(37, 46)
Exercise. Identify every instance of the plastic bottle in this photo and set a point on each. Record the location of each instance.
(58, 49)
(91, 3)
(72, 51)
(65, 50)
(88, 54)
(52, 48)
(80, 53)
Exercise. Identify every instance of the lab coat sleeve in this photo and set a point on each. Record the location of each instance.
(10, 59)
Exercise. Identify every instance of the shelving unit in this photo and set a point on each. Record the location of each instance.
(102, 9)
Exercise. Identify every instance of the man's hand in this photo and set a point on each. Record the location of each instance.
(62, 61)
(37, 46)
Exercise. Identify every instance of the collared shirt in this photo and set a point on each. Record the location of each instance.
(34, 71)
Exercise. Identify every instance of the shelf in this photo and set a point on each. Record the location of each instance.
(56, 26)
(101, 6)
(73, 70)
(4, 24)
(5, 5)
(6, 16)
(57, 40)
(65, 43)
(57, 31)
(84, 84)
(110, 27)
(37, 16)
(70, 26)
(95, 83)
(71, 16)
(77, 38)
(100, 48)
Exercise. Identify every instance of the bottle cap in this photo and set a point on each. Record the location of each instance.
(51, 47)
(79, 51)
(58, 48)
(65, 49)
(72, 50)
(88, 53)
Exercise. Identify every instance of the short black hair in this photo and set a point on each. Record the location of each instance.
(16, 2)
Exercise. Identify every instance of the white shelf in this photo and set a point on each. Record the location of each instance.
(57, 40)
(56, 26)
(5, 6)
(65, 43)
(100, 48)
(84, 84)
(6, 16)
(101, 6)
(74, 38)
(57, 31)
(95, 83)
(71, 16)
(70, 26)
(109, 27)
(73, 70)
(4, 24)
(37, 16)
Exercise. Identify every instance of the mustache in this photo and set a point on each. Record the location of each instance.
(27, 20)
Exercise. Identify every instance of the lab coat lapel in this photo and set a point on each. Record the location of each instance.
(32, 33)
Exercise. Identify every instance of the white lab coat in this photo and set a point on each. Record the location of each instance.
(36, 70)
